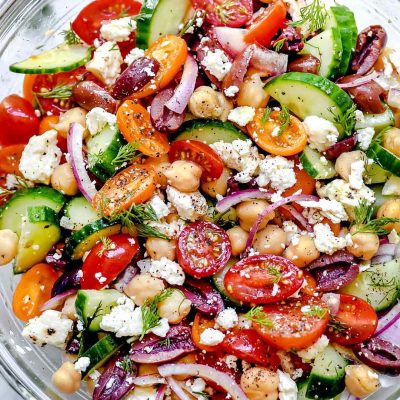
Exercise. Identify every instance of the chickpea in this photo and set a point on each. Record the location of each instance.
(302, 252)
(270, 240)
(175, 307)
(160, 165)
(390, 209)
(249, 210)
(238, 238)
(8, 246)
(184, 176)
(76, 114)
(159, 248)
(219, 186)
(67, 379)
(252, 93)
(63, 180)
(344, 161)
(69, 309)
(391, 141)
(226, 106)
(143, 287)
(361, 381)
(260, 384)
(365, 245)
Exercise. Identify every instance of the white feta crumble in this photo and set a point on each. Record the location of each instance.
(360, 118)
(242, 115)
(231, 91)
(364, 137)
(190, 206)
(392, 186)
(325, 240)
(41, 156)
(287, 387)
(82, 364)
(357, 169)
(49, 328)
(231, 362)
(98, 118)
(172, 229)
(162, 328)
(15, 182)
(95, 375)
(227, 319)
(133, 55)
(217, 63)
(160, 208)
(292, 231)
(197, 385)
(118, 30)
(330, 209)
(321, 132)
(312, 351)
(276, 171)
(106, 63)
(163, 268)
(211, 337)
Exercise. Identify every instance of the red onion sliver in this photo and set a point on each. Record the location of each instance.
(177, 389)
(231, 39)
(207, 373)
(237, 197)
(148, 380)
(388, 320)
(388, 249)
(161, 392)
(332, 300)
(184, 90)
(359, 82)
(75, 150)
(56, 301)
(299, 218)
(269, 61)
(381, 259)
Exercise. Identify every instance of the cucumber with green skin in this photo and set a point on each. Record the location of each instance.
(312, 164)
(384, 158)
(218, 280)
(80, 213)
(377, 121)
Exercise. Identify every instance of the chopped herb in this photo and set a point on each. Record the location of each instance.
(59, 92)
(363, 212)
(165, 342)
(202, 394)
(275, 272)
(336, 326)
(107, 245)
(149, 231)
(378, 280)
(257, 315)
(70, 37)
(278, 45)
(126, 154)
(316, 311)
(376, 226)
(313, 16)
(38, 105)
(284, 119)
(266, 116)
(229, 10)
(191, 22)
(127, 365)
(346, 120)
(114, 47)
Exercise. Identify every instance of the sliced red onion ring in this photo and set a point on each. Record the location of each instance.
(148, 380)
(298, 218)
(75, 150)
(394, 98)
(359, 82)
(332, 300)
(388, 326)
(334, 151)
(161, 392)
(58, 300)
(231, 39)
(387, 249)
(381, 259)
(269, 62)
(237, 197)
(184, 90)
(205, 372)
(177, 389)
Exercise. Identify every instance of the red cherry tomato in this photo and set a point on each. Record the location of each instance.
(203, 249)
(10, 157)
(233, 13)
(88, 22)
(3, 185)
(18, 121)
(355, 322)
(200, 153)
(263, 279)
(292, 327)
(107, 260)
(247, 345)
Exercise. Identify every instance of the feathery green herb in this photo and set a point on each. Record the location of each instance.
(70, 37)
(107, 244)
(62, 92)
(278, 45)
(346, 120)
(313, 16)
(126, 154)
(275, 272)
(316, 311)
(266, 116)
(257, 315)
(284, 119)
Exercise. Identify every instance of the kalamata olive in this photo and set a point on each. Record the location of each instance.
(305, 63)
(292, 40)
(137, 75)
(90, 95)
(70, 279)
(334, 151)
(366, 96)
(380, 355)
(370, 44)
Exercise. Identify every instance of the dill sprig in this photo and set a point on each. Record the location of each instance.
(380, 281)
(337, 326)
(284, 119)
(125, 154)
(70, 37)
(363, 212)
(165, 342)
(316, 311)
(107, 244)
(228, 11)
(127, 365)
(20, 183)
(275, 272)
(266, 116)
(144, 230)
(346, 120)
(59, 92)
(4, 193)
(202, 394)
(191, 22)
(278, 45)
(313, 16)
(258, 316)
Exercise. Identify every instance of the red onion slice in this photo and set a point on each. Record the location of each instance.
(231, 39)
(58, 300)
(161, 392)
(205, 372)
(75, 150)
(394, 98)
(298, 218)
(177, 389)
(184, 90)
(332, 300)
(237, 197)
(148, 380)
(381, 259)
(269, 62)
(359, 82)
(388, 324)
(388, 249)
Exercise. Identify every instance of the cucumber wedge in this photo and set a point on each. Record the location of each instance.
(307, 94)
(79, 213)
(384, 158)
(218, 280)
(377, 121)
(312, 164)
(159, 18)
(59, 59)
(376, 174)
(39, 232)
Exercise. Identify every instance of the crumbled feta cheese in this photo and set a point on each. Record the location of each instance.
(364, 137)
(321, 132)
(98, 118)
(242, 115)
(40, 157)
(160, 208)
(392, 186)
(231, 91)
(133, 55)
(217, 63)
(95, 375)
(278, 172)
(227, 319)
(331, 209)
(198, 385)
(162, 328)
(312, 351)
(231, 362)
(393, 237)
(287, 387)
(15, 182)
(106, 63)
(118, 30)
(50, 328)
(172, 229)
(82, 364)
(211, 337)
(163, 268)
(292, 231)
(357, 169)
(325, 240)
(190, 206)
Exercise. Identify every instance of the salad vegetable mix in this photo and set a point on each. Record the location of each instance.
(203, 199)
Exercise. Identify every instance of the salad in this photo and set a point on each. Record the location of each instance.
(202, 198)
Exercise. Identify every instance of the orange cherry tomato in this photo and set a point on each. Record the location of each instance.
(33, 290)
(171, 52)
(200, 324)
(292, 141)
(10, 157)
(310, 286)
(335, 228)
(27, 88)
(48, 123)
(135, 125)
(304, 182)
(133, 185)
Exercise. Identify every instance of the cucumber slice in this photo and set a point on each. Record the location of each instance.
(311, 161)
(327, 375)
(379, 197)
(379, 285)
(384, 158)
(377, 121)
(307, 94)
(376, 174)
(218, 280)
(40, 231)
(17, 207)
(159, 18)
(99, 302)
(59, 59)
(83, 240)
(102, 150)
(79, 212)
(209, 131)
(327, 47)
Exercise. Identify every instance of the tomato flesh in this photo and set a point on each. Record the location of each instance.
(203, 249)
(10, 157)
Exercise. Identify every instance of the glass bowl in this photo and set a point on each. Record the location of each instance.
(25, 27)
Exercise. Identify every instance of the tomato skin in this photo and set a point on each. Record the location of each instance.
(18, 121)
(10, 157)
(200, 324)
(203, 249)
(108, 263)
(304, 182)
(251, 281)
(33, 290)
(359, 320)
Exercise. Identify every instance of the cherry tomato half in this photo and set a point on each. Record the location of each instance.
(199, 153)
(200, 324)
(203, 249)
(107, 260)
(355, 322)
(263, 279)
(10, 157)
